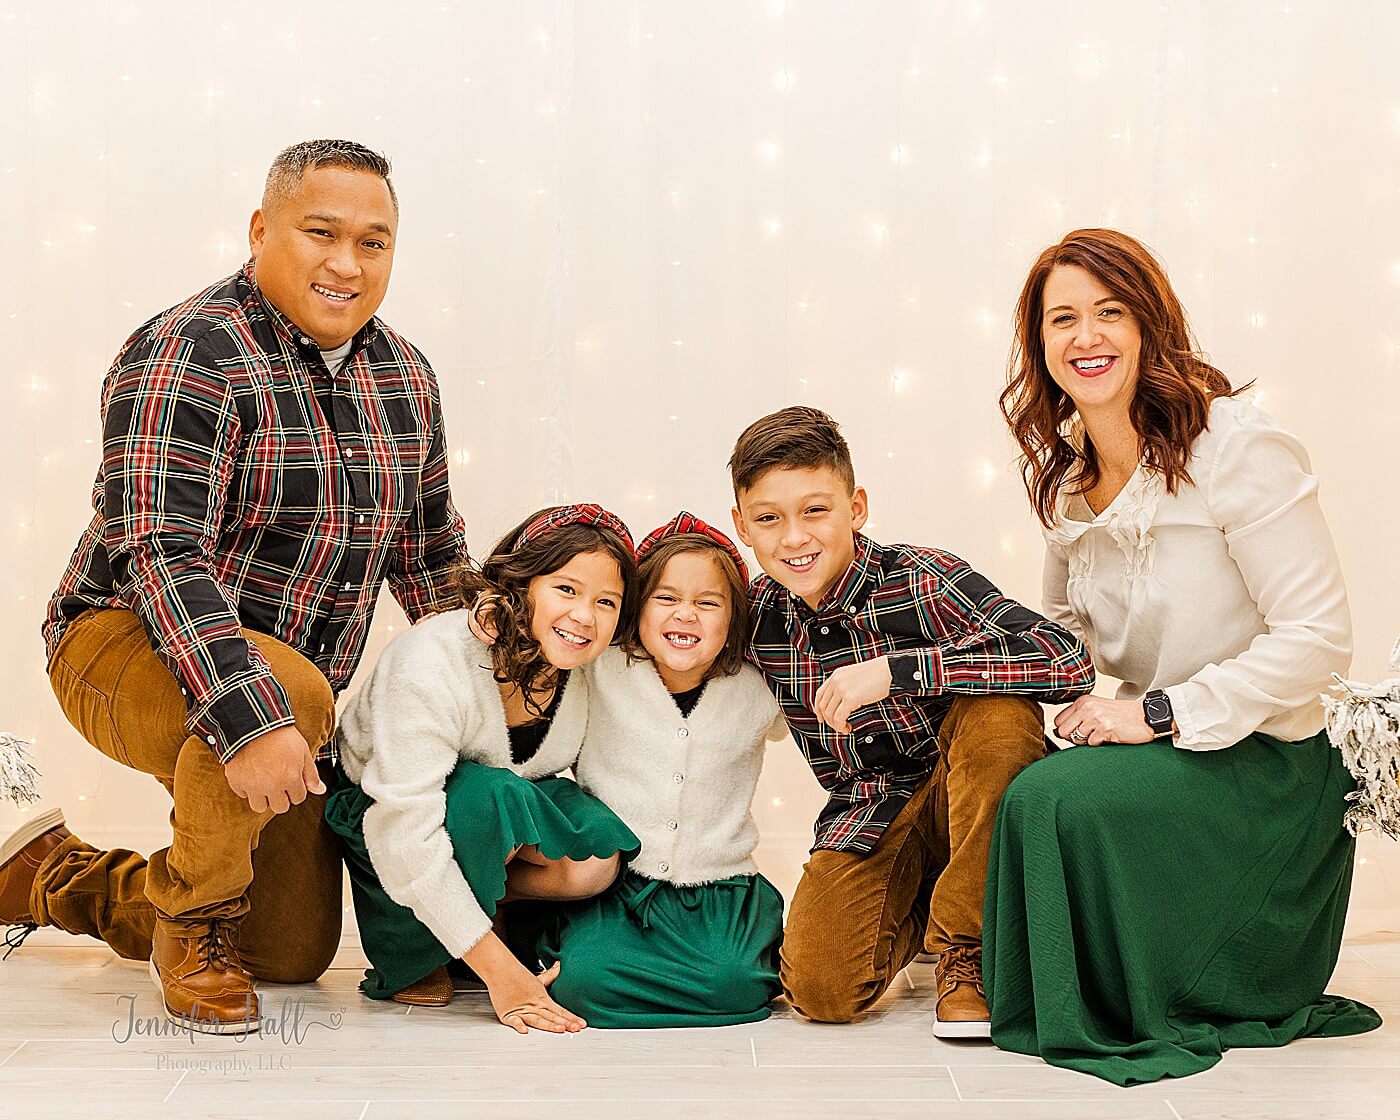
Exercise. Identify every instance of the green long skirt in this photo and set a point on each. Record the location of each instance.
(1150, 907)
(490, 811)
(650, 954)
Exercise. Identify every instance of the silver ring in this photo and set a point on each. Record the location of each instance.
(1076, 737)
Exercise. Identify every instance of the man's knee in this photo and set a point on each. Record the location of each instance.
(313, 702)
(295, 961)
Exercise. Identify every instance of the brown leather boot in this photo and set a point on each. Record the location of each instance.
(434, 990)
(20, 857)
(961, 1010)
(201, 980)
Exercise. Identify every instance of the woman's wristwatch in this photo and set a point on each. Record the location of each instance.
(1157, 711)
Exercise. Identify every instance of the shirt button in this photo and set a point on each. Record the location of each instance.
(663, 867)
(870, 738)
(212, 740)
(678, 778)
(850, 610)
(345, 586)
(986, 676)
(184, 691)
(683, 733)
(362, 519)
(826, 629)
(673, 825)
(322, 649)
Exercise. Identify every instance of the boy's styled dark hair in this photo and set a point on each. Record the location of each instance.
(497, 592)
(650, 569)
(793, 438)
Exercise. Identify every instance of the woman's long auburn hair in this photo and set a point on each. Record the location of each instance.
(1175, 384)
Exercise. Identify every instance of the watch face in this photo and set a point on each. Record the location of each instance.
(1158, 710)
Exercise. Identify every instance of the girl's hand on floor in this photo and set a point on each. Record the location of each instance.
(522, 1002)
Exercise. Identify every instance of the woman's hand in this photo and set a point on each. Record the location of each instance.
(1092, 720)
(518, 995)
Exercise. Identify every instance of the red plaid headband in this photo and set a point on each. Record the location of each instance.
(588, 513)
(688, 523)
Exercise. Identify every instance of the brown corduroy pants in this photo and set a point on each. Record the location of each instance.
(278, 876)
(857, 920)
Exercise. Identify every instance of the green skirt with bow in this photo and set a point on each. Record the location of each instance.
(650, 954)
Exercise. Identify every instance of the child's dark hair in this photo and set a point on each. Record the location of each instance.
(497, 592)
(793, 438)
(650, 569)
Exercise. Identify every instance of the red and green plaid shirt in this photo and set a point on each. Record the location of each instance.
(948, 632)
(242, 485)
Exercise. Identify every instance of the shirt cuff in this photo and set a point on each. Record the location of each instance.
(916, 670)
(247, 708)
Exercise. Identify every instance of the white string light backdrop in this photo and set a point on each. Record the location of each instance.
(630, 228)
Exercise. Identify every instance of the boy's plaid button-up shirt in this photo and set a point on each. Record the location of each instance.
(242, 485)
(948, 632)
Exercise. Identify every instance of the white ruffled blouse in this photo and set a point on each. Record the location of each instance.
(1227, 594)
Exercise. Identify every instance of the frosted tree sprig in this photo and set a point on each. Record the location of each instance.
(1363, 722)
(18, 775)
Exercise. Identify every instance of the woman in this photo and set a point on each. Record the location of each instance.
(1182, 888)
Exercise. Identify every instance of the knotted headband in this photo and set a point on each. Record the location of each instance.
(586, 513)
(688, 523)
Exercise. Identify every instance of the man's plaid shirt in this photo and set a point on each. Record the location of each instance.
(242, 486)
(948, 632)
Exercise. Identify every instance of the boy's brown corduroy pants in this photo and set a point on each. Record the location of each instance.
(857, 920)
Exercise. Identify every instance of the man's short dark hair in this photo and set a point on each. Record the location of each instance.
(793, 438)
(285, 174)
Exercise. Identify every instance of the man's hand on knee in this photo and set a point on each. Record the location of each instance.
(274, 771)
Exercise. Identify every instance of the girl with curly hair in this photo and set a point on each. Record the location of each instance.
(449, 802)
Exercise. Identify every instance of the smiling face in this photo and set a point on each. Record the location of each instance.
(1092, 342)
(685, 622)
(575, 609)
(800, 523)
(323, 254)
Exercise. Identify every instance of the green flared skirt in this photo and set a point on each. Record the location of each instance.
(490, 811)
(1150, 907)
(650, 954)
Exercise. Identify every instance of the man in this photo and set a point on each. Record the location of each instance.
(271, 454)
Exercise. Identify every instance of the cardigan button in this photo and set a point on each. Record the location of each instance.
(663, 867)
(683, 733)
(673, 825)
(678, 777)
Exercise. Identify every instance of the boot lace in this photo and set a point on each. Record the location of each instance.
(961, 965)
(217, 945)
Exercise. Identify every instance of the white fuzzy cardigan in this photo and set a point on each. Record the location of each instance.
(430, 703)
(684, 785)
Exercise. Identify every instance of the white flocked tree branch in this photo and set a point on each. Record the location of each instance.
(1363, 722)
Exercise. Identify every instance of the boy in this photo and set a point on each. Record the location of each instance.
(910, 684)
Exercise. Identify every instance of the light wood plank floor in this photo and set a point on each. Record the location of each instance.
(68, 1049)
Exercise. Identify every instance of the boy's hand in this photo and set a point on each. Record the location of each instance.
(849, 688)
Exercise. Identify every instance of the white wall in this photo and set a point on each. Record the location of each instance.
(630, 228)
